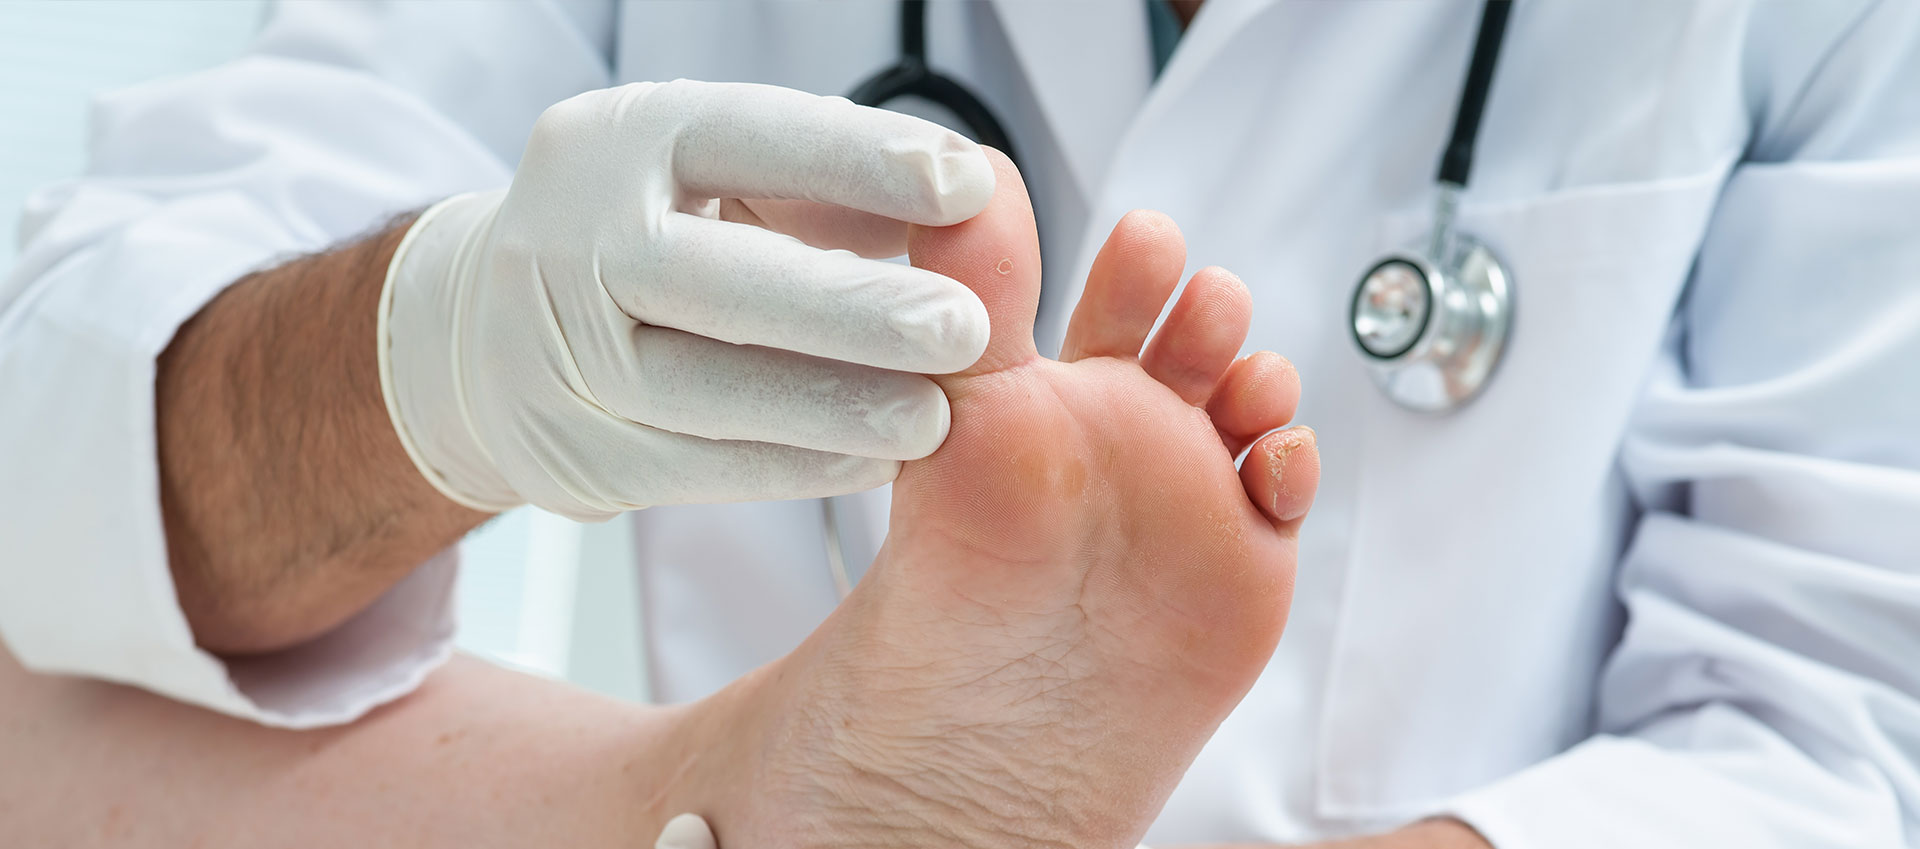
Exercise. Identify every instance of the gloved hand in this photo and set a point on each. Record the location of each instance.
(670, 304)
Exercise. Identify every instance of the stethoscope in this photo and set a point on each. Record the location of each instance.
(1431, 321)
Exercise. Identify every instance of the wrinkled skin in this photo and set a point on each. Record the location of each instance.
(1076, 588)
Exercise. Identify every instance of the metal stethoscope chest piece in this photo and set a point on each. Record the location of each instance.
(1432, 324)
(1432, 321)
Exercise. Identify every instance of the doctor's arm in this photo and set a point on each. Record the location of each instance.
(184, 429)
(574, 342)
(287, 499)
(264, 462)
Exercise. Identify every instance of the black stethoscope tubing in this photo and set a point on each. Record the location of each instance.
(1457, 160)
(913, 76)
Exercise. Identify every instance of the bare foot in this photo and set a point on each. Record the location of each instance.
(1076, 589)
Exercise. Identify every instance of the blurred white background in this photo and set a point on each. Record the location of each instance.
(537, 591)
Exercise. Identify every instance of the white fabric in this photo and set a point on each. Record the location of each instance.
(1655, 588)
(1771, 588)
(191, 183)
(595, 340)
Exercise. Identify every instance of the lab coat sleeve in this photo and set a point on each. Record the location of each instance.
(339, 117)
(1766, 689)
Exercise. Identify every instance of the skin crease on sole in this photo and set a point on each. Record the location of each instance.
(1076, 588)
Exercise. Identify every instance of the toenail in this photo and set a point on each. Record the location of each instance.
(1290, 440)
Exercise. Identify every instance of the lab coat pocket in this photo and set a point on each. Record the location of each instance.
(1476, 609)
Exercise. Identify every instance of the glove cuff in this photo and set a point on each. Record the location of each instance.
(422, 312)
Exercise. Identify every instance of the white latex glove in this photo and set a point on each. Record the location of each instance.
(690, 831)
(686, 831)
(666, 306)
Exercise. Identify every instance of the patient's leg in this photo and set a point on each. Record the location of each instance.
(1076, 589)
(479, 757)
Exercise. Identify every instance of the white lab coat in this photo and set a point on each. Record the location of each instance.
(1658, 587)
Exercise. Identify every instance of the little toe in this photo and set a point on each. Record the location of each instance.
(1132, 276)
(1201, 336)
(1281, 474)
(1259, 393)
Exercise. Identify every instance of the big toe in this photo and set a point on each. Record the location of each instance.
(997, 255)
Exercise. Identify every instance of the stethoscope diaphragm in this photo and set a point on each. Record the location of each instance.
(1432, 324)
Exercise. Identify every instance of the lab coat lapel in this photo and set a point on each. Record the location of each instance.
(1217, 25)
(1089, 65)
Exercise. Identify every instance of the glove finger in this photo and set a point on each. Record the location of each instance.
(686, 831)
(757, 141)
(822, 226)
(690, 384)
(591, 468)
(742, 284)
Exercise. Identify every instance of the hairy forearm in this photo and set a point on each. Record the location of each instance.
(288, 500)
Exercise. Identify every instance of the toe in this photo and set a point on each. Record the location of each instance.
(1259, 393)
(1132, 276)
(1281, 474)
(1202, 334)
(997, 255)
